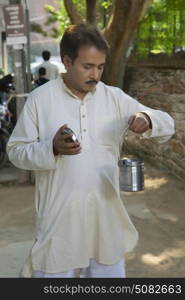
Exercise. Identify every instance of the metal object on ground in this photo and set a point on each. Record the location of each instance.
(131, 175)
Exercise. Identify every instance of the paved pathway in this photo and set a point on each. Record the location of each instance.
(157, 212)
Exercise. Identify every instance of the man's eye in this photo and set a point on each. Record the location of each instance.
(87, 67)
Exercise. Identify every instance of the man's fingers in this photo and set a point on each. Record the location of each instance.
(60, 146)
(140, 128)
(67, 145)
(131, 120)
(74, 151)
(69, 151)
(63, 137)
(138, 124)
(60, 130)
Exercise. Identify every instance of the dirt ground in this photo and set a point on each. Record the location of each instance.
(157, 212)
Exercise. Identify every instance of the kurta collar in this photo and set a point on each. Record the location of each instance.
(67, 90)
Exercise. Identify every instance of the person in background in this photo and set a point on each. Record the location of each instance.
(82, 226)
(52, 70)
(41, 77)
(6, 85)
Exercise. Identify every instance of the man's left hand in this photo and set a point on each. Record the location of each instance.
(139, 123)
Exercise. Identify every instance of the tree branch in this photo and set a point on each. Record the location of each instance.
(125, 17)
(91, 11)
(75, 18)
(120, 31)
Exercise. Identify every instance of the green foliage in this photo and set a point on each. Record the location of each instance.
(35, 27)
(106, 4)
(58, 19)
(104, 11)
(162, 29)
(175, 4)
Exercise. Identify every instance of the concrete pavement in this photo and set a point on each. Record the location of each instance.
(9, 173)
(157, 212)
(12, 258)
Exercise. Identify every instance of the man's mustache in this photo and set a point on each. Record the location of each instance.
(92, 81)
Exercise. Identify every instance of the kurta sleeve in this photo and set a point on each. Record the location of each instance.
(24, 148)
(163, 125)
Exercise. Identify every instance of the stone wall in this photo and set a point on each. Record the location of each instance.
(162, 89)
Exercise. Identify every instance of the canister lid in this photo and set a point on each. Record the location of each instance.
(130, 162)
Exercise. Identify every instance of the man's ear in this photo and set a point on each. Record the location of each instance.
(67, 61)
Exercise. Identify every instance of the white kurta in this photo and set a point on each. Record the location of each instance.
(80, 214)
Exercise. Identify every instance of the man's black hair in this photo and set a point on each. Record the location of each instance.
(42, 71)
(77, 36)
(46, 55)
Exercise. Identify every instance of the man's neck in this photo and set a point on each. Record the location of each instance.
(77, 93)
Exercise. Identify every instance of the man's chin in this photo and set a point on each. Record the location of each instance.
(91, 87)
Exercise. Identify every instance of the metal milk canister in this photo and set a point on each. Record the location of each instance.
(131, 174)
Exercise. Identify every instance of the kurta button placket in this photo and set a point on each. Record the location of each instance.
(84, 128)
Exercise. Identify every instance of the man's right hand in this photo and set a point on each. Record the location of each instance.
(61, 147)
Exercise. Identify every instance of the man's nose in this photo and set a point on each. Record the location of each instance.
(95, 73)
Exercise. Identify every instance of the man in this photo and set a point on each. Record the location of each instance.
(41, 77)
(52, 70)
(82, 224)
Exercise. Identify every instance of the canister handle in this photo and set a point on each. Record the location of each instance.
(121, 139)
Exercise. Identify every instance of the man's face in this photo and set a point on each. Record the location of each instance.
(85, 71)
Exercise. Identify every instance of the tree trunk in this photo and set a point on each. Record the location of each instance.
(120, 33)
(75, 18)
(91, 11)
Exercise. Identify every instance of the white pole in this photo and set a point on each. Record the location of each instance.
(28, 57)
